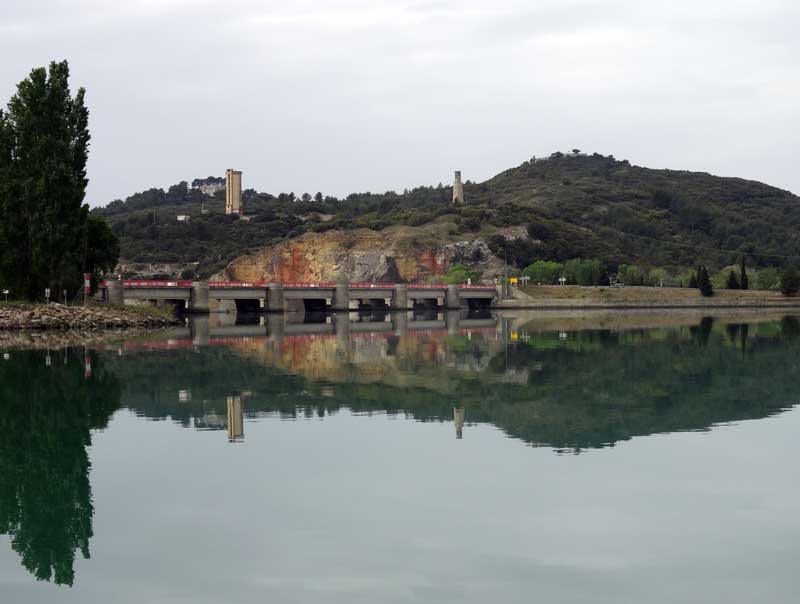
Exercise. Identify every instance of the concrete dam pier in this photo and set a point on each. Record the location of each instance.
(195, 296)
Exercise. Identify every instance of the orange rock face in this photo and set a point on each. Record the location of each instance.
(360, 255)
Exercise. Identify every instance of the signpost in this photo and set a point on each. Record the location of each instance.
(5, 293)
(47, 295)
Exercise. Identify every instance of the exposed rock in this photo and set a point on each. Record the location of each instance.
(362, 255)
(58, 317)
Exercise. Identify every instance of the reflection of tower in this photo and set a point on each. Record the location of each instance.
(235, 419)
(458, 419)
(458, 189)
(233, 192)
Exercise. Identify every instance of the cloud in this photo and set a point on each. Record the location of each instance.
(347, 95)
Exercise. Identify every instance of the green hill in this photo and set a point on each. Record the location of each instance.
(588, 206)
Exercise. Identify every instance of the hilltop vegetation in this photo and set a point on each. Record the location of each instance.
(568, 206)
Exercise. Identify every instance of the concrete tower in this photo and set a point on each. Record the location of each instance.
(235, 419)
(458, 189)
(233, 192)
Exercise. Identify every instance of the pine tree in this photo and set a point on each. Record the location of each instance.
(743, 283)
(44, 145)
(733, 282)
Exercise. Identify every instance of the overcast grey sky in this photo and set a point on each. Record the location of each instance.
(354, 95)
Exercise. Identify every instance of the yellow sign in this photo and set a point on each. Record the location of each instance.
(513, 280)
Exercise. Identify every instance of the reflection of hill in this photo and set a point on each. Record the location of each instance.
(402, 361)
(46, 413)
(566, 390)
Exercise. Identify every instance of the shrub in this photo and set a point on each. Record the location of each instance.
(458, 273)
(544, 271)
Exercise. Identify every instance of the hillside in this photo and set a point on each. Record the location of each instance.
(567, 206)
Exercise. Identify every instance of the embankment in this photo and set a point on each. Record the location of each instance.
(580, 297)
(56, 317)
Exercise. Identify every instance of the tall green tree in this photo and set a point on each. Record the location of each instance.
(44, 146)
(704, 281)
(743, 282)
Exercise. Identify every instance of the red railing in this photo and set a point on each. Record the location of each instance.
(155, 283)
(324, 284)
(372, 285)
(291, 284)
(238, 283)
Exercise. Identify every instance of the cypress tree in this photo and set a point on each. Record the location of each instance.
(790, 281)
(733, 282)
(693, 281)
(743, 283)
(44, 145)
(704, 282)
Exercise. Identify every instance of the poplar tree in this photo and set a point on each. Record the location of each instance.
(44, 146)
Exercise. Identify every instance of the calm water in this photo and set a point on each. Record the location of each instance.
(399, 459)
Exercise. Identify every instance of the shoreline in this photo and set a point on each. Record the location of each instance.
(566, 297)
(37, 318)
(565, 305)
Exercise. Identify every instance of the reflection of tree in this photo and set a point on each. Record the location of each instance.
(46, 413)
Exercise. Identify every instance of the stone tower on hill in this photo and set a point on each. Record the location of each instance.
(233, 192)
(458, 189)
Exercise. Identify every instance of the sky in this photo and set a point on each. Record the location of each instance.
(341, 96)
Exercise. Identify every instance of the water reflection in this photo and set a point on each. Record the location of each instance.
(566, 389)
(563, 387)
(49, 403)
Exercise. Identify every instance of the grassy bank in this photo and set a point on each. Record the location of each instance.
(542, 296)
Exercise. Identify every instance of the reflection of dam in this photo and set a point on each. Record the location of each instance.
(221, 329)
(533, 384)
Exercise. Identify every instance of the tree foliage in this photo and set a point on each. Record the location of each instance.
(790, 281)
(458, 273)
(704, 281)
(44, 228)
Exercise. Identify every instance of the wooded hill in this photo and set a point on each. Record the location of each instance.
(572, 205)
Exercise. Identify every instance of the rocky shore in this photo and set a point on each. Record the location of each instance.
(56, 317)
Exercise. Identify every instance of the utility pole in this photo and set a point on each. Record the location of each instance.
(505, 271)
(87, 286)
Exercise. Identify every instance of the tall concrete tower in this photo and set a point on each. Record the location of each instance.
(458, 189)
(235, 419)
(233, 192)
(458, 419)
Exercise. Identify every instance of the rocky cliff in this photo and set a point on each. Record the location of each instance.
(362, 255)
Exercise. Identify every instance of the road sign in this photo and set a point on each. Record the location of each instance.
(87, 282)
(47, 293)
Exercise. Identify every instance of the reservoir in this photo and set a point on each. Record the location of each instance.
(570, 457)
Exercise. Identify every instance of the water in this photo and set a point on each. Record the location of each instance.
(605, 457)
